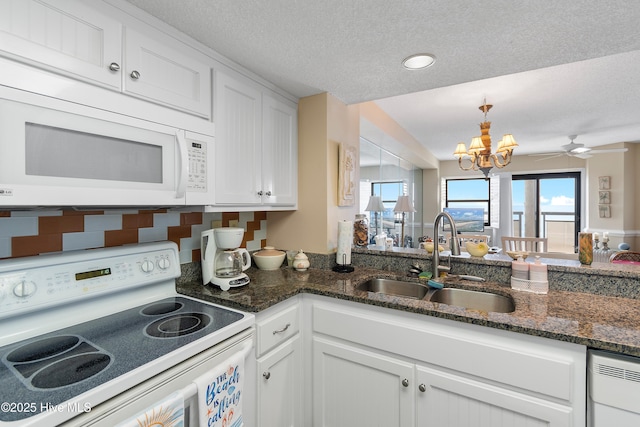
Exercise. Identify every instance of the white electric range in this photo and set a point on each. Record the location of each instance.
(93, 337)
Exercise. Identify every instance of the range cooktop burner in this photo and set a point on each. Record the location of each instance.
(161, 308)
(70, 370)
(178, 325)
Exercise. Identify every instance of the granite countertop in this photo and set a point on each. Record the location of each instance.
(602, 322)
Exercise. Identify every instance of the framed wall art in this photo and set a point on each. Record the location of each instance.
(604, 211)
(604, 182)
(604, 197)
(346, 175)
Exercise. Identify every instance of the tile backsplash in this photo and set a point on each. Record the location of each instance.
(34, 232)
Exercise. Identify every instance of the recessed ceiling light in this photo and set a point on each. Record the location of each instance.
(418, 61)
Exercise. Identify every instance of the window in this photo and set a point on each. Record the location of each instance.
(469, 193)
(548, 205)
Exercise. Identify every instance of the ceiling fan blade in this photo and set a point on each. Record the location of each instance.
(611, 150)
(551, 156)
(582, 155)
(552, 153)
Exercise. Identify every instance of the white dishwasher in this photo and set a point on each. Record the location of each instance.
(614, 390)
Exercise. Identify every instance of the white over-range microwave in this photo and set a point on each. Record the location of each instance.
(57, 153)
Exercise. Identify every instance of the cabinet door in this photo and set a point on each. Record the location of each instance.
(65, 36)
(280, 386)
(447, 400)
(160, 70)
(238, 120)
(279, 152)
(354, 387)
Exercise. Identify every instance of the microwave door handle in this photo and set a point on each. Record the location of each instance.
(182, 164)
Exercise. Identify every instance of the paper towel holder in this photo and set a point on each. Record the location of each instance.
(343, 268)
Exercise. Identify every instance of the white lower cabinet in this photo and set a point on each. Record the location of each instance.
(380, 367)
(447, 400)
(359, 388)
(279, 366)
(279, 386)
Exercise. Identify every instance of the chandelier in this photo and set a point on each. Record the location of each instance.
(479, 154)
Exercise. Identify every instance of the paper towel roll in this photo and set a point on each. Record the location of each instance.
(345, 230)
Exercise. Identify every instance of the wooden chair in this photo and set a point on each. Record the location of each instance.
(625, 256)
(528, 244)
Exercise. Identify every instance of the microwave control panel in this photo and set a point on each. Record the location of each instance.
(197, 151)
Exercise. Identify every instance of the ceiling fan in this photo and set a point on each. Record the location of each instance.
(574, 149)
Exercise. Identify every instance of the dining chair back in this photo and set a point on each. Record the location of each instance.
(528, 244)
(625, 256)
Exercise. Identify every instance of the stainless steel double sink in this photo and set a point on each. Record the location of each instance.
(474, 300)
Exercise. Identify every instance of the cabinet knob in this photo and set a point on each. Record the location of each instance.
(260, 193)
(135, 75)
(405, 382)
(422, 388)
(266, 375)
(268, 193)
(114, 66)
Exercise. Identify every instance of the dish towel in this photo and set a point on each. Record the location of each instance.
(220, 394)
(168, 412)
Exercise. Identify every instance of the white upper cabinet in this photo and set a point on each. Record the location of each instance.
(256, 146)
(66, 36)
(279, 152)
(238, 119)
(157, 72)
(75, 39)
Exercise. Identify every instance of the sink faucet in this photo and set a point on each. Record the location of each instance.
(454, 244)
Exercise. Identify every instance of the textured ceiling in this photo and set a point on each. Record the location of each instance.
(551, 68)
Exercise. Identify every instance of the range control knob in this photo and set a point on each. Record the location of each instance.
(147, 266)
(24, 289)
(164, 263)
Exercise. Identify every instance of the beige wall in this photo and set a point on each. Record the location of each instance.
(386, 133)
(323, 123)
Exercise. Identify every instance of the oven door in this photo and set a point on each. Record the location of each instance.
(58, 153)
(138, 400)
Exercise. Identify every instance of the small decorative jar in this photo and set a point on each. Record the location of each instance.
(301, 261)
(361, 230)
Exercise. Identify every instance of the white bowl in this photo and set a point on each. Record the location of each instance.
(269, 258)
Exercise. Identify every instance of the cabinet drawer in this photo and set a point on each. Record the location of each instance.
(277, 328)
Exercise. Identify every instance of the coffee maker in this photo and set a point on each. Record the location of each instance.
(223, 262)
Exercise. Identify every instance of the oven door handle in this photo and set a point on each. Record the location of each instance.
(192, 390)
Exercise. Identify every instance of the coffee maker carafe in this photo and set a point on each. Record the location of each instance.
(223, 262)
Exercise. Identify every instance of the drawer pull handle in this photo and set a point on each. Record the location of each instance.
(279, 331)
(422, 388)
(266, 375)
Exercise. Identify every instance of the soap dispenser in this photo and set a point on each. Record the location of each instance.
(538, 271)
(520, 269)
